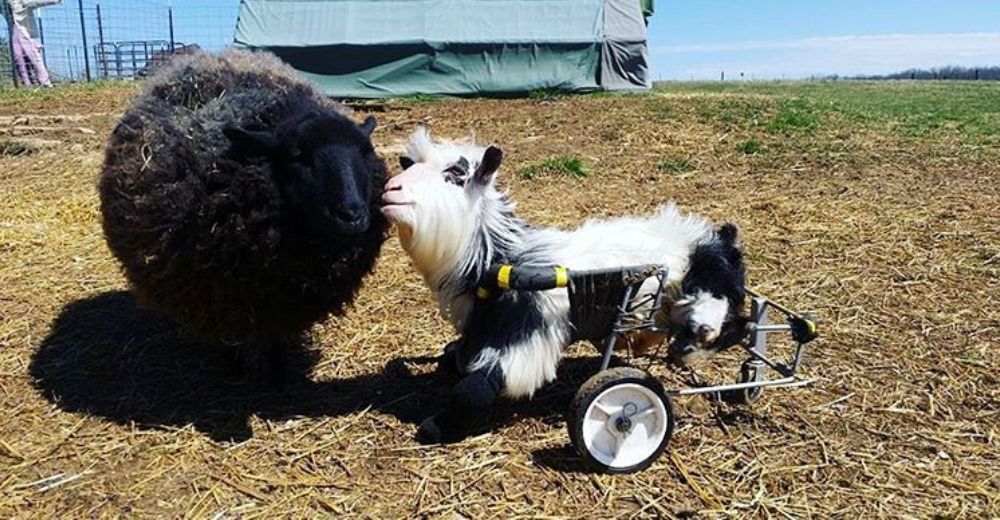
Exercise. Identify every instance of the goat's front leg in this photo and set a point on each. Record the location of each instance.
(469, 403)
(449, 363)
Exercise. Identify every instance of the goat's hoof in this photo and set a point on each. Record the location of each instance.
(429, 431)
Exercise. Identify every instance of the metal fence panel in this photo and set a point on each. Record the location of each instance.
(92, 40)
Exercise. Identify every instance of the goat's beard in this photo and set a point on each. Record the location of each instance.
(436, 246)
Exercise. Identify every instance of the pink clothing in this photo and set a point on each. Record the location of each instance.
(28, 59)
(23, 13)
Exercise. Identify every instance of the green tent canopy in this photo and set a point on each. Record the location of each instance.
(383, 48)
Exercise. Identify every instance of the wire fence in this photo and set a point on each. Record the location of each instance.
(93, 40)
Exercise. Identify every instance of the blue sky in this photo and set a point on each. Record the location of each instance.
(798, 38)
(692, 39)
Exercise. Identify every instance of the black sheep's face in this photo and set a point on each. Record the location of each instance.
(324, 166)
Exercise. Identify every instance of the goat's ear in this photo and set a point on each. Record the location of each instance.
(405, 162)
(368, 126)
(251, 142)
(489, 165)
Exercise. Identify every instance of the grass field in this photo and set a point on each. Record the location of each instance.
(876, 206)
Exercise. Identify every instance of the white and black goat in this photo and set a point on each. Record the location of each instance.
(455, 224)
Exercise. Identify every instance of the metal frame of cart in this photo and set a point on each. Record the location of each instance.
(621, 419)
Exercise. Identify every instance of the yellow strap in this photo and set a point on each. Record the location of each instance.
(503, 277)
(562, 277)
(482, 293)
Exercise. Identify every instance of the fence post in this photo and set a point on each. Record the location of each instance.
(10, 43)
(99, 55)
(41, 39)
(83, 33)
(170, 20)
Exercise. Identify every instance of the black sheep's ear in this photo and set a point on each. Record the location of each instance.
(368, 126)
(251, 142)
(405, 162)
(489, 165)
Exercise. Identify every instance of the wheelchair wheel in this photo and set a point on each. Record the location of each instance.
(751, 371)
(621, 420)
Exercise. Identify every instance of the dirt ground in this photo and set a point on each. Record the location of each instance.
(891, 238)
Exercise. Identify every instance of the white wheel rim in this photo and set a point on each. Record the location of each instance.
(624, 425)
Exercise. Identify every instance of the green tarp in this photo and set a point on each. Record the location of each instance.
(380, 48)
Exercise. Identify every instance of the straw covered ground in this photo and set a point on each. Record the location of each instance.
(873, 205)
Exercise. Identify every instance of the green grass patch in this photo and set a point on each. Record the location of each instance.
(968, 109)
(664, 111)
(676, 164)
(795, 115)
(569, 165)
(547, 94)
(421, 98)
(749, 147)
(741, 112)
(734, 112)
(61, 90)
(12, 147)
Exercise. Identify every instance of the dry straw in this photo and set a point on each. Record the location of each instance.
(891, 241)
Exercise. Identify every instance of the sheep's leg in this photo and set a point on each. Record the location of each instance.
(249, 362)
(237, 363)
(277, 364)
(470, 401)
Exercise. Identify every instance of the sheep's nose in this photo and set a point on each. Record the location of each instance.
(351, 212)
(393, 186)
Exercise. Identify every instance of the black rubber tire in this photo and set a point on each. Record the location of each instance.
(746, 396)
(592, 388)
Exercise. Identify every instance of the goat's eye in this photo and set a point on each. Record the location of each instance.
(294, 152)
(457, 173)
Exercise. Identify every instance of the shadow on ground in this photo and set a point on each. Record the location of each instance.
(108, 357)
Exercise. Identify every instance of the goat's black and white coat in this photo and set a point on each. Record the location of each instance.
(455, 224)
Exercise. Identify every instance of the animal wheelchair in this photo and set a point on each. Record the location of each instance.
(621, 419)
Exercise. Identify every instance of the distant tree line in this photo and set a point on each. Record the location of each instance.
(939, 73)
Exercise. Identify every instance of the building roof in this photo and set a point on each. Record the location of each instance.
(310, 23)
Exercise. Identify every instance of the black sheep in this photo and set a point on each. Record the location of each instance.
(241, 203)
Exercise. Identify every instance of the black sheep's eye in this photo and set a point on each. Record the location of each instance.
(294, 152)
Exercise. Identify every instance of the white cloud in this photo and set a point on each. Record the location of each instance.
(845, 55)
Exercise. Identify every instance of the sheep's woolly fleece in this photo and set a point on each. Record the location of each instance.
(201, 237)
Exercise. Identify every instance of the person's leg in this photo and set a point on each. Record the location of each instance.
(35, 59)
(19, 47)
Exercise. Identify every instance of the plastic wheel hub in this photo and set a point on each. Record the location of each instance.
(624, 425)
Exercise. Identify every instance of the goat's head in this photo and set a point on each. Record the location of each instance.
(438, 199)
(323, 164)
(709, 315)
